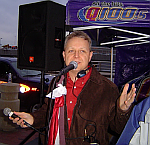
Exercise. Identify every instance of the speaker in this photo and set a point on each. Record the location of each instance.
(41, 34)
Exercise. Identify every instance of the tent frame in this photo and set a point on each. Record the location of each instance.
(140, 38)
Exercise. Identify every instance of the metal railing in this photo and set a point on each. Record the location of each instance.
(104, 61)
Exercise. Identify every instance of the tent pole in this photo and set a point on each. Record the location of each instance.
(111, 75)
(97, 37)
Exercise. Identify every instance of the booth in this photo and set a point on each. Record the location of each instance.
(120, 26)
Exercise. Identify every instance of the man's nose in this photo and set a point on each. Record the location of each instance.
(76, 54)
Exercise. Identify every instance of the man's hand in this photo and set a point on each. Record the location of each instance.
(24, 116)
(127, 99)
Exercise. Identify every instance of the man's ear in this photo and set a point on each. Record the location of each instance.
(91, 54)
(63, 53)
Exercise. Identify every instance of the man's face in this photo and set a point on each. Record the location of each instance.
(77, 49)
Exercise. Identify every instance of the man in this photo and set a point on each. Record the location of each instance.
(92, 103)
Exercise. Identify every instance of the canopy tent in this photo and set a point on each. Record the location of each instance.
(115, 24)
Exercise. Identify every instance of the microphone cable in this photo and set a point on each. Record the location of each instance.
(86, 137)
(50, 105)
(50, 108)
(80, 103)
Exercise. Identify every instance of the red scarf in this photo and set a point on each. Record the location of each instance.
(57, 120)
(59, 102)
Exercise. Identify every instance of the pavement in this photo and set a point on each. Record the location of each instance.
(18, 136)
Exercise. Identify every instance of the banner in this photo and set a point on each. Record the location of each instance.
(109, 13)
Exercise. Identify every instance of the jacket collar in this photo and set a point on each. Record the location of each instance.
(94, 75)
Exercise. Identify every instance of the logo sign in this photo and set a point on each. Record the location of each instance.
(31, 59)
(114, 13)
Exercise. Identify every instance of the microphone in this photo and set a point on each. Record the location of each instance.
(8, 112)
(72, 65)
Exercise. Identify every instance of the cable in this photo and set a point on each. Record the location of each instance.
(50, 107)
(86, 137)
(80, 103)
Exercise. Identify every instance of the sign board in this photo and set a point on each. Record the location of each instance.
(110, 13)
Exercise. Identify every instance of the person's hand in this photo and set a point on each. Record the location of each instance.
(24, 116)
(127, 99)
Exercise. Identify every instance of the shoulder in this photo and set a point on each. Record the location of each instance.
(100, 79)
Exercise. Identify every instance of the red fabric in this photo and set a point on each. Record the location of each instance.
(79, 84)
(59, 102)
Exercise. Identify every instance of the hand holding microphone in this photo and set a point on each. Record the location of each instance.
(20, 118)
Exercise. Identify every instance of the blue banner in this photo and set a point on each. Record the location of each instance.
(111, 13)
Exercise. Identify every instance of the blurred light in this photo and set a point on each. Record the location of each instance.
(57, 39)
(34, 89)
(24, 88)
(1, 82)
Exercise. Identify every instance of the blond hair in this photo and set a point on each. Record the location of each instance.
(79, 34)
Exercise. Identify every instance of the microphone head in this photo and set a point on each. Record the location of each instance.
(75, 64)
(7, 111)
